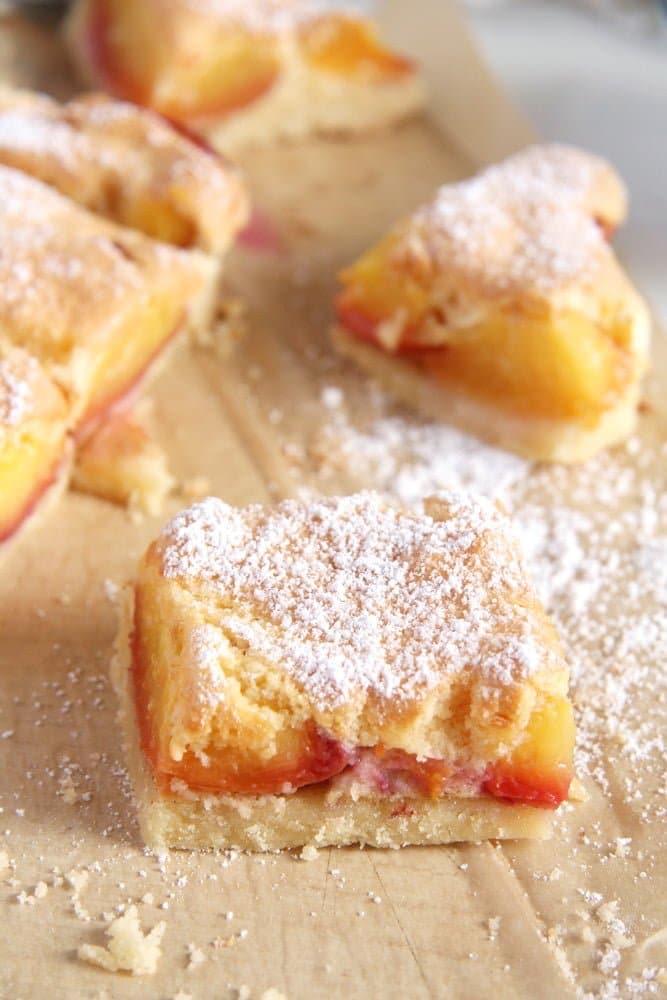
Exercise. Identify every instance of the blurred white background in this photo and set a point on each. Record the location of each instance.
(600, 82)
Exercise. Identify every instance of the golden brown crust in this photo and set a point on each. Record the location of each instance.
(91, 300)
(282, 621)
(196, 821)
(126, 163)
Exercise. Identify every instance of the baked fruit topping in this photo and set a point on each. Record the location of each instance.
(505, 299)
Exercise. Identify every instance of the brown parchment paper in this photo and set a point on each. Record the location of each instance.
(518, 921)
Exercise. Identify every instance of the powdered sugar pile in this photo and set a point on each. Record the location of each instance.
(598, 555)
(350, 594)
(408, 459)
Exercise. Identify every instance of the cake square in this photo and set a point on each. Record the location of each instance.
(126, 163)
(93, 302)
(247, 72)
(501, 308)
(340, 671)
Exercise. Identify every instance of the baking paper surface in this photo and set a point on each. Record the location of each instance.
(281, 415)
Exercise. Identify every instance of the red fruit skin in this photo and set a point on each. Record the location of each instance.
(535, 789)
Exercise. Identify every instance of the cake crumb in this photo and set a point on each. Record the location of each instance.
(129, 950)
(195, 956)
(195, 488)
(493, 925)
(309, 853)
(622, 847)
(77, 879)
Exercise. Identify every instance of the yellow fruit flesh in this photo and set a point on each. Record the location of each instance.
(226, 69)
(541, 364)
(350, 47)
(540, 768)
(27, 463)
(128, 354)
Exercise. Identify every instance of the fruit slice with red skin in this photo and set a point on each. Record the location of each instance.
(235, 69)
(304, 755)
(18, 509)
(539, 771)
(574, 369)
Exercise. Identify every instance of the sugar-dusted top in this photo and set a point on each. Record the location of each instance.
(17, 373)
(530, 223)
(351, 594)
(69, 278)
(106, 154)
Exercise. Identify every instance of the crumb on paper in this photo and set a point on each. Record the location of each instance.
(77, 879)
(195, 487)
(309, 853)
(493, 926)
(622, 847)
(129, 949)
(195, 956)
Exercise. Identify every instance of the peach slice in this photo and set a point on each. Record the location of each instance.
(303, 756)
(350, 47)
(32, 436)
(539, 771)
(541, 364)
(225, 70)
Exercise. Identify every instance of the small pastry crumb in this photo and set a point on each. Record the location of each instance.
(129, 950)
(195, 488)
(309, 853)
(195, 956)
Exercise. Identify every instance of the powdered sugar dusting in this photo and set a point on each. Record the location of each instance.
(595, 540)
(16, 395)
(351, 595)
(524, 222)
(408, 459)
(598, 553)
